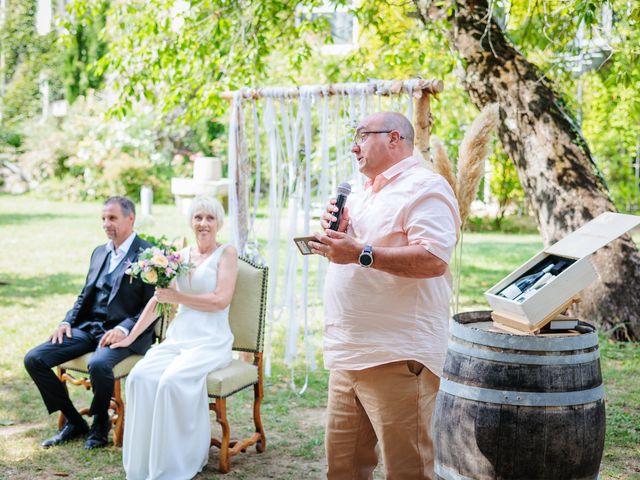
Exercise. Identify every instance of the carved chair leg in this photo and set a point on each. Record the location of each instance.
(118, 417)
(117, 405)
(221, 417)
(61, 418)
(261, 445)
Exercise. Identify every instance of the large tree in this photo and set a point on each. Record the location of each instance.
(562, 183)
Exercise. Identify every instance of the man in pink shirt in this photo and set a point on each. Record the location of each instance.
(387, 293)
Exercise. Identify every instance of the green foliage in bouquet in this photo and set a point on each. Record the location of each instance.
(161, 242)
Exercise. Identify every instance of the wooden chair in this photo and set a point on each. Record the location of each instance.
(247, 320)
(247, 315)
(68, 374)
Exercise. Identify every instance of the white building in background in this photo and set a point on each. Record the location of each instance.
(344, 29)
(3, 80)
(344, 33)
(45, 17)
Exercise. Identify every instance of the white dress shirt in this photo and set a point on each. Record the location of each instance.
(119, 253)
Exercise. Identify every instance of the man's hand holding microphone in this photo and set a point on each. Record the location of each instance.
(334, 243)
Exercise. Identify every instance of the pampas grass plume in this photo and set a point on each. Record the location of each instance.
(472, 155)
(442, 164)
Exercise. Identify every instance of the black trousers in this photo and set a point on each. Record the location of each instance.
(40, 360)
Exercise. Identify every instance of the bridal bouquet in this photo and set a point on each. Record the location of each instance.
(159, 265)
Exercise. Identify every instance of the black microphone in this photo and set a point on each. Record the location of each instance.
(342, 192)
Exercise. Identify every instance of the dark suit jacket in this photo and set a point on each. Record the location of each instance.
(127, 300)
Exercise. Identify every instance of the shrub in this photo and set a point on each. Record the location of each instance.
(88, 155)
(10, 138)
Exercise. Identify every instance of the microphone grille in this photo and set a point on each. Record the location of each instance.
(344, 188)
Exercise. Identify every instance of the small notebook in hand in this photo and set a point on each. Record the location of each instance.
(303, 244)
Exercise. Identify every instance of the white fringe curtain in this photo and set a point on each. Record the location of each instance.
(290, 147)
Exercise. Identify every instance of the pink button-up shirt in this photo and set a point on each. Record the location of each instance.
(373, 317)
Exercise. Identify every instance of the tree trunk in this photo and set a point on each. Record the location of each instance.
(561, 181)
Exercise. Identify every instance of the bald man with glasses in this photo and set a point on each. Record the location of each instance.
(387, 293)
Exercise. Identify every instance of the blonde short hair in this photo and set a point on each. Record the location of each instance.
(209, 205)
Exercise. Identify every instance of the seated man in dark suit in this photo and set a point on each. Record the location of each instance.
(104, 313)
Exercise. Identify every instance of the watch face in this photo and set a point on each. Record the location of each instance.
(365, 259)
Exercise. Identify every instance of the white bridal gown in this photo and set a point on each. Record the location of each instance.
(167, 431)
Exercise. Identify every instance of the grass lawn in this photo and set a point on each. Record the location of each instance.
(47, 247)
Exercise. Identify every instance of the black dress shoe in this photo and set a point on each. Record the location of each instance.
(68, 432)
(98, 435)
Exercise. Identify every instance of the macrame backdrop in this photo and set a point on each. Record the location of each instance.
(289, 148)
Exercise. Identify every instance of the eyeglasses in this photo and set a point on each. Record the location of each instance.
(361, 135)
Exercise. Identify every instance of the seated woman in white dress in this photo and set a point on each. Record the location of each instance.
(167, 430)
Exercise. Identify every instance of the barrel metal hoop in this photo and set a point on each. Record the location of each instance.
(525, 359)
(526, 399)
(523, 342)
(447, 473)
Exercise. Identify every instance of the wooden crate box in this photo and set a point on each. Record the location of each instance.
(537, 310)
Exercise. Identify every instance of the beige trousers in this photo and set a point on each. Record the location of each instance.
(390, 405)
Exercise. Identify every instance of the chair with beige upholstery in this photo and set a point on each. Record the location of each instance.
(80, 365)
(247, 320)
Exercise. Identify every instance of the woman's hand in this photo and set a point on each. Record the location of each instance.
(166, 295)
(125, 342)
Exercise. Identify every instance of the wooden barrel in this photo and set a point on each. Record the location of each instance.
(518, 406)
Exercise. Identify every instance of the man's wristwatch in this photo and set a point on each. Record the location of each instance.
(366, 256)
